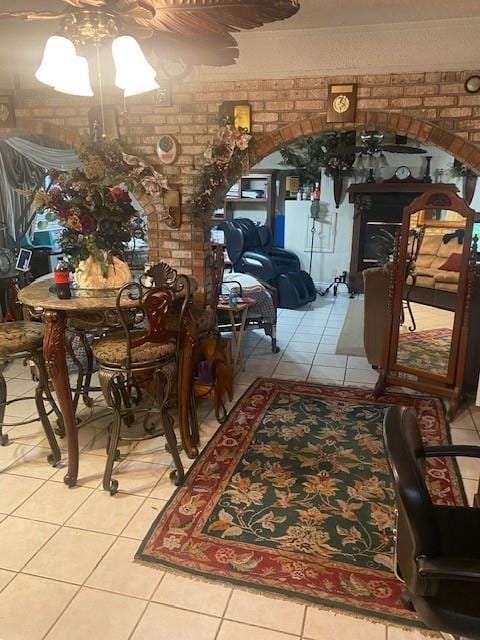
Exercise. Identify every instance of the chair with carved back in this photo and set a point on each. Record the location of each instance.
(213, 363)
(137, 369)
(180, 320)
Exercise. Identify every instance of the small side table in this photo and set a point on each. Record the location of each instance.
(240, 311)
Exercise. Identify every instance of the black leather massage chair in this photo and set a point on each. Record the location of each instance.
(250, 248)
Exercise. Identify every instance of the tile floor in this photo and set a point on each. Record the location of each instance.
(66, 568)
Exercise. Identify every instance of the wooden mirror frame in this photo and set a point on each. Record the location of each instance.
(450, 385)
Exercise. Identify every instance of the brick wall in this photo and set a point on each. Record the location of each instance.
(429, 107)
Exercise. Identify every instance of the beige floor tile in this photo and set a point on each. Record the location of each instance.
(292, 371)
(325, 372)
(98, 615)
(19, 387)
(361, 376)
(71, 555)
(164, 623)
(5, 578)
(16, 489)
(329, 349)
(397, 633)
(330, 360)
(20, 539)
(105, 513)
(33, 464)
(471, 489)
(32, 433)
(152, 451)
(143, 519)
(10, 453)
(309, 346)
(238, 631)
(325, 625)
(119, 573)
(464, 436)
(464, 420)
(164, 488)
(30, 605)
(357, 362)
(90, 471)
(469, 468)
(186, 593)
(53, 502)
(138, 477)
(297, 356)
(273, 613)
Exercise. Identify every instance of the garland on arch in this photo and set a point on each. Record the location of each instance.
(226, 161)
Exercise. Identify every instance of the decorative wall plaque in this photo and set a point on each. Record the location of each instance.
(172, 209)
(167, 149)
(238, 112)
(163, 95)
(341, 102)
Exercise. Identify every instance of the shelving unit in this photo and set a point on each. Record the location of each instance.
(264, 184)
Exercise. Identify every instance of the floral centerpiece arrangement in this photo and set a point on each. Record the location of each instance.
(226, 161)
(94, 206)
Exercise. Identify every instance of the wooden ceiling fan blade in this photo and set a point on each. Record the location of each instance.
(219, 15)
(31, 15)
(223, 51)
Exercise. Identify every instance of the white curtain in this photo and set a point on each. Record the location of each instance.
(22, 163)
(45, 157)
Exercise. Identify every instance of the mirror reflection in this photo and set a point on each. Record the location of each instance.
(432, 275)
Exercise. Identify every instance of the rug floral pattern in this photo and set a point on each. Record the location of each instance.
(425, 350)
(293, 494)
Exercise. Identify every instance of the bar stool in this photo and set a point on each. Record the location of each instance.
(24, 339)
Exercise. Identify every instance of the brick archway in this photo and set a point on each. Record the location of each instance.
(398, 123)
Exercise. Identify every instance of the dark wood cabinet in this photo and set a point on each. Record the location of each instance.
(377, 216)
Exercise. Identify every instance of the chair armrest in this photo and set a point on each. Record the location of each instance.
(439, 451)
(450, 568)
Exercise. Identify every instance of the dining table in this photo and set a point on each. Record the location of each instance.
(83, 305)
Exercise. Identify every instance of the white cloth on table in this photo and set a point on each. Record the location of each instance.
(252, 288)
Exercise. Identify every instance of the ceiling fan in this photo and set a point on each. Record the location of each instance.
(372, 143)
(193, 31)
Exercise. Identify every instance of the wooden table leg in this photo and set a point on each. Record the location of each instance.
(56, 362)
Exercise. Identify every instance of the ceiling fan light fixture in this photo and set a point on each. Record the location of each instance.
(58, 56)
(131, 67)
(75, 81)
(134, 89)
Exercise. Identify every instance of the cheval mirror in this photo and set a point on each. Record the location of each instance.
(430, 292)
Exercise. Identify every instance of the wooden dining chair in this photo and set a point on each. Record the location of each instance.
(137, 372)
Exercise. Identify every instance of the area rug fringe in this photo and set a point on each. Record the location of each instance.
(275, 595)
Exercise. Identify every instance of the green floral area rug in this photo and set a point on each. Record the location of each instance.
(293, 495)
(426, 350)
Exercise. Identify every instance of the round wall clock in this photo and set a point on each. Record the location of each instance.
(472, 84)
(402, 173)
(167, 149)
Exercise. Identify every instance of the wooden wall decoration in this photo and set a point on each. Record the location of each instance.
(172, 209)
(341, 102)
(238, 112)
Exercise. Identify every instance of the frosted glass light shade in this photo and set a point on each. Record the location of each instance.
(58, 55)
(75, 80)
(133, 89)
(132, 71)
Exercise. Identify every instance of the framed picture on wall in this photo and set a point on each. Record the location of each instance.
(7, 112)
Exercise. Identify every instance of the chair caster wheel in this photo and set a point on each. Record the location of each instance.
(275, 349)
(4, 440)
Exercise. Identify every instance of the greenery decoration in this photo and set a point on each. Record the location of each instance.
(459, 170)
(93, 203)
(328, 152)
(226, 161)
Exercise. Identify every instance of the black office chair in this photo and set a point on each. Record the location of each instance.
(437, 546)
